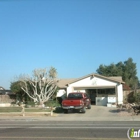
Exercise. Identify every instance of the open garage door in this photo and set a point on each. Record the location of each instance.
(101, 96)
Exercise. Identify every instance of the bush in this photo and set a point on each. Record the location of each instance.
(52, 103)
(30, 103)
(60, 99)
(133, 97)
(137, 98)
(58, 110)
(130, 97)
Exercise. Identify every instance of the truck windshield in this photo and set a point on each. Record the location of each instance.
(75, 96)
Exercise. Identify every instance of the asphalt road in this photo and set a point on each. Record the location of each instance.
(50, 130)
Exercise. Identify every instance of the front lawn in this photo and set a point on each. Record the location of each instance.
(10, 109)
(19, 109)
(37, 110)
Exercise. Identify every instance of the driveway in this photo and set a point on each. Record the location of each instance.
(99, 113)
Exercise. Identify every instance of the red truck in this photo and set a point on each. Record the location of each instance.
(76, 101)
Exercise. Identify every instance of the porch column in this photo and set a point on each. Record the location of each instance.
(120, 93)
(69, 89)
(116, 91)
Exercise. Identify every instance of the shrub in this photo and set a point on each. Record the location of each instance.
(52, 103)
(137, 97)
(30, 103)
(130, 97)
(60, 99)
(58, 110)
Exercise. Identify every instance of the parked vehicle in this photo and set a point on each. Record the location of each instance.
(76, 101)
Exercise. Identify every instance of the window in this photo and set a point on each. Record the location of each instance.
(75, 96)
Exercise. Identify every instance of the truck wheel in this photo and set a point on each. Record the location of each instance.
(83, 110)
(89, 106)
(65, 110)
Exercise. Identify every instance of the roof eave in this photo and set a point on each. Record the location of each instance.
(97, 75)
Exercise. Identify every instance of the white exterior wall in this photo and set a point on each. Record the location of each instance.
(79, 90)
(70, 89)
(88, 82)
(60, 92)
(120, 94)
(92, 82)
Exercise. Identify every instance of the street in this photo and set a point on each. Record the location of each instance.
(67, 130)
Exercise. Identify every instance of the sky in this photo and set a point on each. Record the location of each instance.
(74, 36)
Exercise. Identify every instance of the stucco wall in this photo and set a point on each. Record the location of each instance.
(61, 92)
(93, 82)
(70, 89)
(76, 90)
(120, 94)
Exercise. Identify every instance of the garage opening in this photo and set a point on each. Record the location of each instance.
(102, 96)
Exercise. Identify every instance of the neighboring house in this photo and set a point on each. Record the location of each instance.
(4, 91)
(6, 96)
(102, 90)
(1, 88)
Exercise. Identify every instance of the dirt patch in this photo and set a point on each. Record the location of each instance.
(124, 112)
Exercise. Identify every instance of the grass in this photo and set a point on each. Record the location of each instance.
(10, 109)
(37, 110)
(19, 109)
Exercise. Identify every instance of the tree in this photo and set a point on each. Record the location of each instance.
(127, 70)
(41, 86)
(20, 94)
(52, 73)
(130, 73)
(15, 88)
(111, 70)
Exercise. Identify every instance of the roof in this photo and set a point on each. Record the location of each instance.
(1, 88)
(6, 92)
(126, 87)
(112, 78)
(62, 83)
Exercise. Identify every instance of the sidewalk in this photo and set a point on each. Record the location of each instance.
(65, 117)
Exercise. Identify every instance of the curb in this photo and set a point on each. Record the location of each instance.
(14, 115)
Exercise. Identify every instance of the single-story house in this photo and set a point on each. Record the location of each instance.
(3, 91)
(6, 97)
(105, 91)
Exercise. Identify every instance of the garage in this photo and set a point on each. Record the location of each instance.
(102, 97)
(103, 91)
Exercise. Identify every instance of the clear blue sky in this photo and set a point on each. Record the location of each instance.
(74, 36)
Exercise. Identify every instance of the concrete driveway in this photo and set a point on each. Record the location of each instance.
(100, 113)
(97, 111)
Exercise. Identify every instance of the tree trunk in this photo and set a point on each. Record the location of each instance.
(41, 104)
